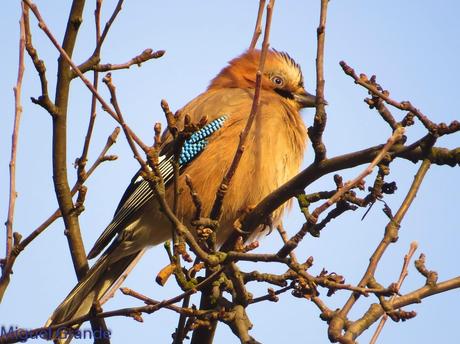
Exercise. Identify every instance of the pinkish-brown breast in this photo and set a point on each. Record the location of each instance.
(273, 152)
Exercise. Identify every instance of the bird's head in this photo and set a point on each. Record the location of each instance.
(281, 75)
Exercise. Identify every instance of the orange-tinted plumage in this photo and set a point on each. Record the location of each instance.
(273, 155)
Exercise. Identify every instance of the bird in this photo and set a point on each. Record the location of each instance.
(273, 154)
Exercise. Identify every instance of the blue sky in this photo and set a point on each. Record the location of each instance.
(411, 46)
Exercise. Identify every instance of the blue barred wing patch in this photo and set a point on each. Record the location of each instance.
(139, 191)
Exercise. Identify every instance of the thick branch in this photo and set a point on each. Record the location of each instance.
(61, 185)
(291, 188)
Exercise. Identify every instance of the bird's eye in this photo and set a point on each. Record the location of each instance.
(277, 80)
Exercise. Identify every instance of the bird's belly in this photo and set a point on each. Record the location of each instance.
(260, 172)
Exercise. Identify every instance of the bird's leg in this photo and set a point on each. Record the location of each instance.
(242, 214)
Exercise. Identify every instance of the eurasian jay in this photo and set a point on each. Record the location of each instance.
(273, 154)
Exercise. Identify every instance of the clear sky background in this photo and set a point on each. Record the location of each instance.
(412, 46)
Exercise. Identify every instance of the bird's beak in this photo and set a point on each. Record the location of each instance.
(306, 99)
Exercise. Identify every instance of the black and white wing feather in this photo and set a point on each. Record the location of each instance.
(139, 192)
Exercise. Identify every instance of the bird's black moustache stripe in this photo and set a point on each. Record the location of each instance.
(284, 93)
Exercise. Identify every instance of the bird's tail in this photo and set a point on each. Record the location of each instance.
(98, 280)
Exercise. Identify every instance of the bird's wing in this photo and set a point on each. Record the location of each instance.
(139, 192)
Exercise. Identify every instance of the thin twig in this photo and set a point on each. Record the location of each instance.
(224, 185)
(284, 237)
(258, 26)
(431, 276)
(402, 276)
(19, 247)
(397, 135)
(18, 335)
(92, 119)
(59, 136)
(113, 99)
(316, 131)
(297, 238)
(97, 20)
(404, 270)
(433, 128)
(384, 112)
(391, 234)
(44, 100)
(95, 57)
(376, 310)
(326, 312)
(241, 295)
(180, 332)
(88, 84)
(108, 25)
(195, 197)
(155, 182)
(271, 296)
(149, 301)
(145, 56)
(14, 142)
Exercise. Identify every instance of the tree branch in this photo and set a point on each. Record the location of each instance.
(391, 235)
(315, 132)
(105, 106)
(62, 189)
(258, 26)
(370, 85)
(14, 144)
(217, 206)
(313, 218)
(96, 56)
(146, 55)
(20, 246)
(402, 276)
